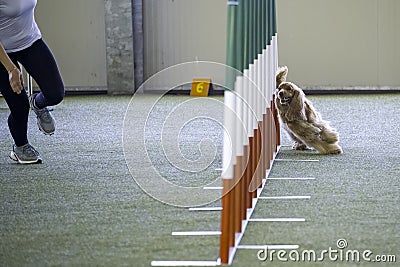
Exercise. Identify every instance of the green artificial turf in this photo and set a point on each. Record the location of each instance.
(82, 207)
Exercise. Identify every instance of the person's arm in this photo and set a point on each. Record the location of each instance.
(14, 75)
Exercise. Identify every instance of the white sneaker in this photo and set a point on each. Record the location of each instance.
(26, 154)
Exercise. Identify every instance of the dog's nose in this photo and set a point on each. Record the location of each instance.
(280, 93)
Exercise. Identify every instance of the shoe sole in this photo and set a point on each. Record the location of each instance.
(14, 157)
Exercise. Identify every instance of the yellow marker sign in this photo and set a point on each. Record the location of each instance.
(200, 87)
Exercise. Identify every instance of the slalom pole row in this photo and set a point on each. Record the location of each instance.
(250, 142)
(251, 135)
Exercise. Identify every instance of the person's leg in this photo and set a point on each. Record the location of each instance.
(22, 151)
(41, 65)
(19, 107)
(39, 62)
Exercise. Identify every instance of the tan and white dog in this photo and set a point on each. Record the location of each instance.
(300, 119)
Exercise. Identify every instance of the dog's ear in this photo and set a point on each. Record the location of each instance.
(281, 75)
(297, 106)
(311, 113)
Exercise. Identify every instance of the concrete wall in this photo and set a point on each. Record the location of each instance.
(119, 43)
(340, 43)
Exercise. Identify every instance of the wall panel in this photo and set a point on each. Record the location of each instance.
(177, 31)
(340, 43)
(75, 32)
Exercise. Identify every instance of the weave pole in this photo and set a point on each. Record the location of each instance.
(251, 135)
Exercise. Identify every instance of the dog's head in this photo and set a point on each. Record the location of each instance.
(287, 92)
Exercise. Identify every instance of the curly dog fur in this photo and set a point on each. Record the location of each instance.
(300, 119)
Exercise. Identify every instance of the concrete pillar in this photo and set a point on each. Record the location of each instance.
(137, 22)
(119, 46)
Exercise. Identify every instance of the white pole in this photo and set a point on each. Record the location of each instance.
(228, 156)
(264, 81)
(260, 95)
(240, 123)
(248, 98)
(275, 44)
(253, 95)
(271, 72)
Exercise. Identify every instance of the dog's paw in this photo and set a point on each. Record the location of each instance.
(299, 146)
(336, 151)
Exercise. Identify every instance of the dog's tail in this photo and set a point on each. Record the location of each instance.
(281, 75)
(329, 135)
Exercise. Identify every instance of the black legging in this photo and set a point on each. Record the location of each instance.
(41, 65)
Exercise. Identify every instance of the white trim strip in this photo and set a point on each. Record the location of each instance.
(197, 233)
(213, 188)
(298, 160)
(278, 220)
(206, 209)
(291, 178)
(277, 247)
(285, 197)
(185, 263)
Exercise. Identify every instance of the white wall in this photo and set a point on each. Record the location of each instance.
(75, 32)
(177, 31)
(325, 43)
(340, 43)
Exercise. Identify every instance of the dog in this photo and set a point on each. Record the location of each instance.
(300, 119)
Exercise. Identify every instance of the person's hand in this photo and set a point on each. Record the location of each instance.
(16, 80)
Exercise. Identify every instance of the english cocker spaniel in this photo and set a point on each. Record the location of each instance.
(300, 119)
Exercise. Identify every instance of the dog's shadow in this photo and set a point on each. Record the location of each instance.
(287, 152)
